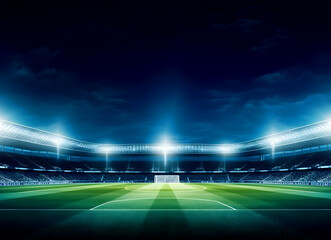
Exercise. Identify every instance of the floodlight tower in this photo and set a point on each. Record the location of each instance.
(106, 151)
(225, 149)
(57, 142)
(273, 142)
(165, 149)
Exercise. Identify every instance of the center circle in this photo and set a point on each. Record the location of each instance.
(138, 189)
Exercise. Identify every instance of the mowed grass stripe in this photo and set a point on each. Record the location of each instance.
(127, 196)
(164, 217)
(83, 197)
(198, 200)
(260, 214)
(303, 188)
(164, 197)
(25, 188)
(39, 192)
(283, 199)
(165, 194)
(164, 210)
(235, 199)
(109, 191)
(40, 188)
(252, 198)
(285, 190)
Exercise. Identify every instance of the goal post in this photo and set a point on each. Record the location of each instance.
(166, 179)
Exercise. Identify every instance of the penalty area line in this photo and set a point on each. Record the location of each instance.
(162, 209)
(174, 190)
(137, 199)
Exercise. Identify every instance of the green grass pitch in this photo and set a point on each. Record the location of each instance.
(165, 211)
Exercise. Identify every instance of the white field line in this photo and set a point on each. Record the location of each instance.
(164, 210)
(137, 199)
(60, 189)
(208, 200)
(20, 188)
(271, 189)
(152, 190)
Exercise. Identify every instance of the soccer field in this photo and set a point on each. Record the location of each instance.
(166, 211)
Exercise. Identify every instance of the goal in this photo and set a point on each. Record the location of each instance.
(166, 178)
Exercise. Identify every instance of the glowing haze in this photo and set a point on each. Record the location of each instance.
(196, 72)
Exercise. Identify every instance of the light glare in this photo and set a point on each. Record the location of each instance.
(226, 149)
(297, 135)
(105, 149)
(273, 141)
(57, 141)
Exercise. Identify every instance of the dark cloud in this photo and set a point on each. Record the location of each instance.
(44, 52)
(140, 71)
(271, 42)
(242, 25)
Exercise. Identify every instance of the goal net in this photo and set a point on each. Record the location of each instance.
(166, 178)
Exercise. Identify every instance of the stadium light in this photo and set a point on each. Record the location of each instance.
(310, 132)
(165, 148)
(106, 150)
(57, 141)
(273, 141)
(226, 149)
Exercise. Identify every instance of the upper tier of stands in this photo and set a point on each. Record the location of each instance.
(8, 177)
(312, 160)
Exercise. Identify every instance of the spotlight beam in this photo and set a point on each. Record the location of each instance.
(106, 150)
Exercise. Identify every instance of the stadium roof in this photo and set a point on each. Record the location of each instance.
(17, 135)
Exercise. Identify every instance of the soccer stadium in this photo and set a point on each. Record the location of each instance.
(165, 119)
(55, 186)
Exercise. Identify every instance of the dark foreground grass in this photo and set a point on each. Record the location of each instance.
(165, 211)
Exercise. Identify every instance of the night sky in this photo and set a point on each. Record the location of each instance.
(139, 71)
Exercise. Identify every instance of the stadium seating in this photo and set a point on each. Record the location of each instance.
(14, 176)
(309, 167)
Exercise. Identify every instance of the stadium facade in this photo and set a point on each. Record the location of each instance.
(26, 137)
(290, 156)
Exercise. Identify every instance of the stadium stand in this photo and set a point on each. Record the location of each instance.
(309, 168)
